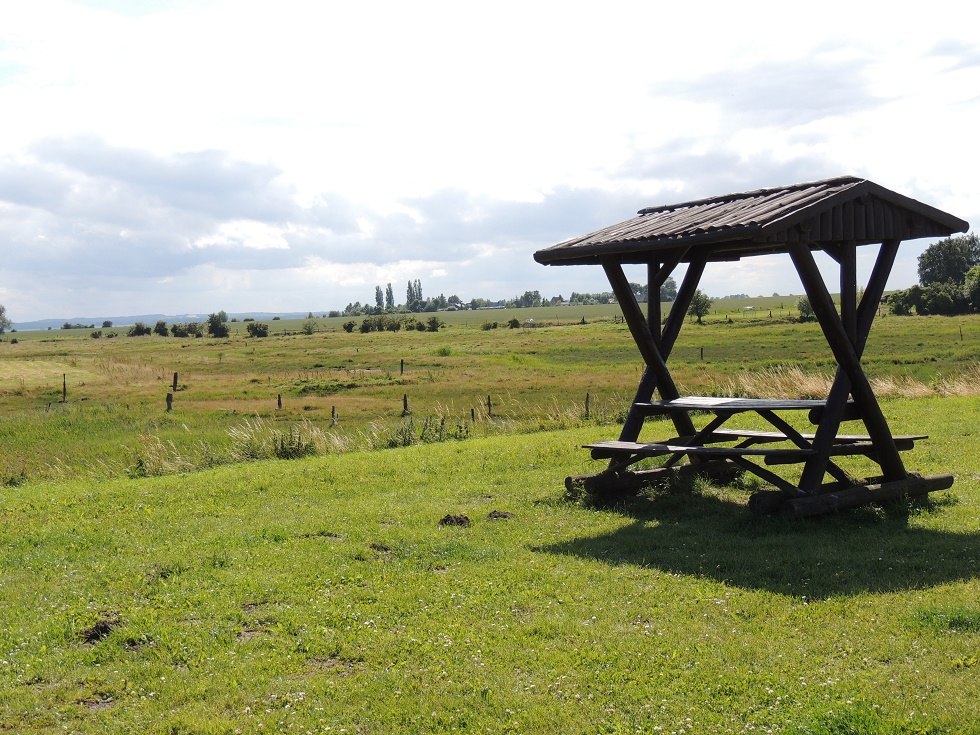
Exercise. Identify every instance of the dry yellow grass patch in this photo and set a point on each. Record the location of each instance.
(794, 382)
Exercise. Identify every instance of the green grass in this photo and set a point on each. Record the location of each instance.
(537, 378)
(161, 573)
(323, 595)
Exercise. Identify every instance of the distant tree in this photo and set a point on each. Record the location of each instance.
(222, 316)
(527, 299)
(949, 259)
(700, 306)
(389, 298)
(309, 327)
(379, 297)
(971, 287)
(434, 323)
(217, 327)
(668, 292)
(161, 328)
(942, 298)
(107, 324)
(257, 329)
(805, 309)
(139, 330)
(5, 322)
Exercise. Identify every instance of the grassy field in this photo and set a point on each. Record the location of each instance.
(324, 596)
(343, 391)
(239, 594)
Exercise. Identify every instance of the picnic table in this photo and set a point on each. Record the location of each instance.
(834, 216)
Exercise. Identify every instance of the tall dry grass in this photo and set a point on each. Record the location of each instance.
(794, 382)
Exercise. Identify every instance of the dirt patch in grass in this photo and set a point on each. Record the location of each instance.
(100, 629)
(454, 520)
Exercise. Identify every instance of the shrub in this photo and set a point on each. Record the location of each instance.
(805, 309)
(139, 330)
(257, 329)
(434, 324)
(309, 327)
(161, 328)
(349, 326)
(96, 334)
(514, 323)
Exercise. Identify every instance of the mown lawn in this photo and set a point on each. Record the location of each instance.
(322, 595)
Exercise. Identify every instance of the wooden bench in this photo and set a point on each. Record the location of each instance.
(788, 455)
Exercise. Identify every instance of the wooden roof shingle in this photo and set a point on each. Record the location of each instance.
(819, 213)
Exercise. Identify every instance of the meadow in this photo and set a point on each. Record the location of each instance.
(240, 593)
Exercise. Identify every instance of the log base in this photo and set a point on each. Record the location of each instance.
(769, 502)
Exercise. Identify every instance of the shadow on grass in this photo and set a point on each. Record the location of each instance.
(867, 550)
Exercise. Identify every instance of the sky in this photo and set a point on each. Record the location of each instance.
(190, 156)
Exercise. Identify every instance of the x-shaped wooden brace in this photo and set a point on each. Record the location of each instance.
(655, 344)
(847, 335)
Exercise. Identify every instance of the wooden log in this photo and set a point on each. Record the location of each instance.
(859, 495)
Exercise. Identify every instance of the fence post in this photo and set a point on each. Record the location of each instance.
(64, 387)
(489, 406)
(401, 369)
(405, 411)
(175, 382)
(587, 406)
(702, 353)
(472, 415)
(170, 402)
(333, 415)
(279, 401)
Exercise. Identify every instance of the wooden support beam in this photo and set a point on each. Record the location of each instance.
(653, 303)
(848, 290)
(675, 320)
(644, 340)
(836, 408)
(847, 357)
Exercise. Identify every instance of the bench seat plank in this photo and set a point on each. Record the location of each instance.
(612, 448)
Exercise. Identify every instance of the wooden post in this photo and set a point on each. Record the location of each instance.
(640, 330)
(175, 382)
(170, 402)
(405, 411)
(333, 415)
(472, 415)
(702, 353)
(489, 406)
(586, 406)
(672, 327)
(279, 402)
(835, 333)
(401, 370)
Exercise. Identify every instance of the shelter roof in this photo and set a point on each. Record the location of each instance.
(820, 213)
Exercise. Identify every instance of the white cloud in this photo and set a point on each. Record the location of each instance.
(244, 233)
(228, 138)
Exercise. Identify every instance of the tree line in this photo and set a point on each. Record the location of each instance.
(949, 280)
(415, 302)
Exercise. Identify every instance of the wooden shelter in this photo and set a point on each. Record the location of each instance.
(835, 216)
